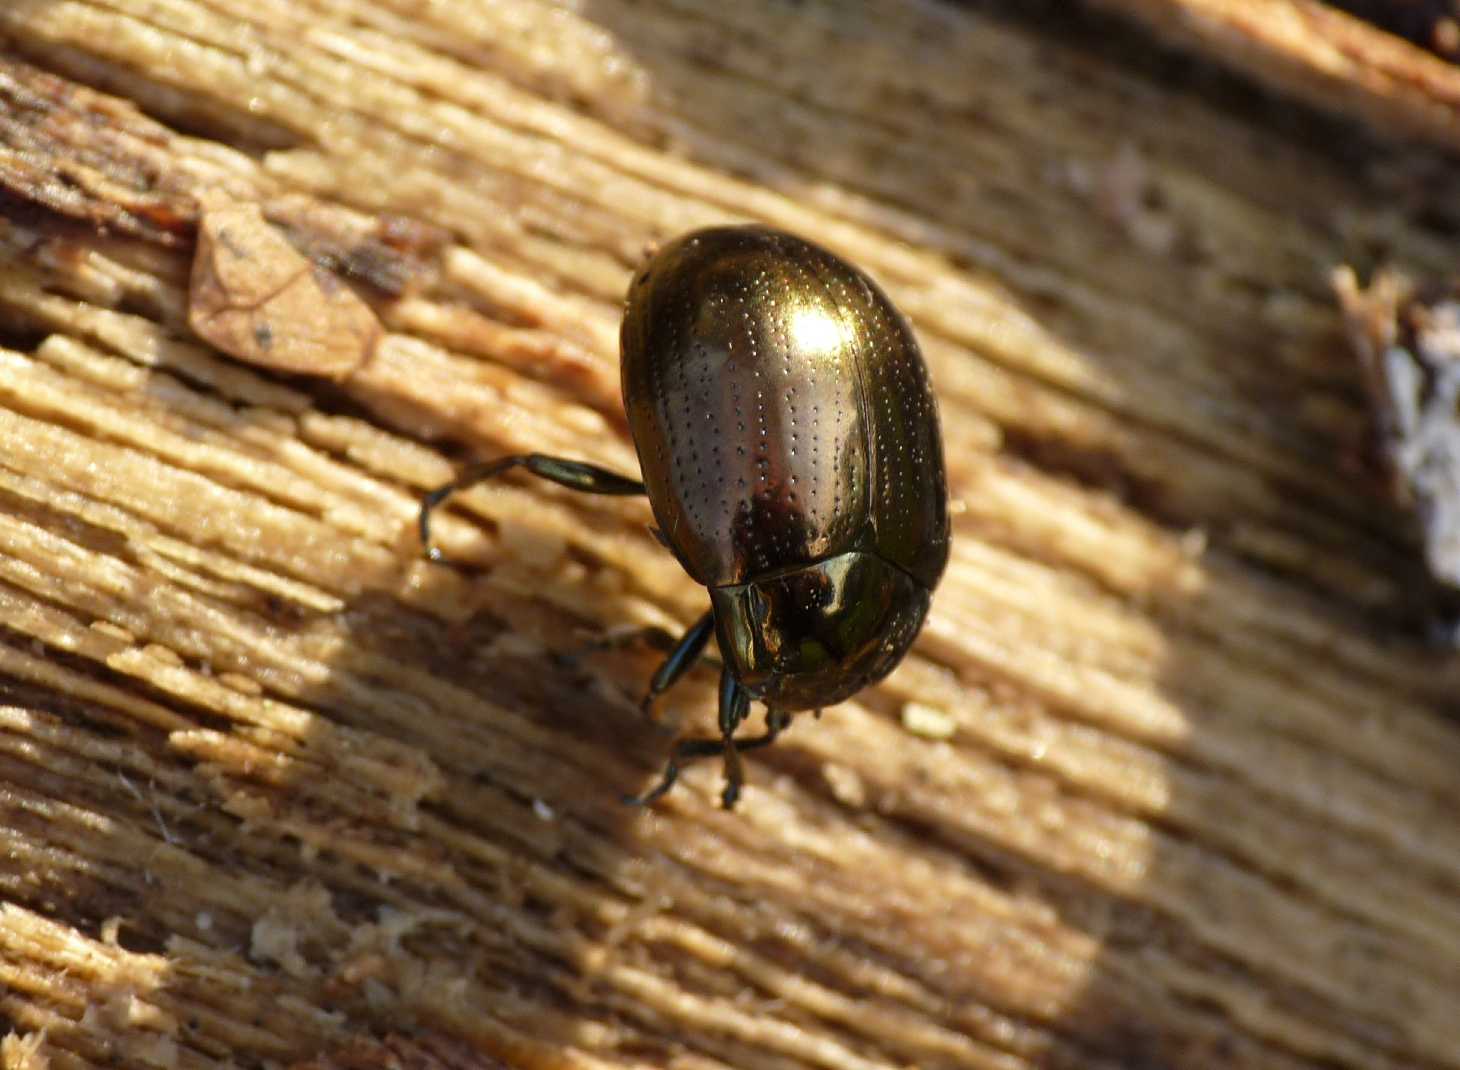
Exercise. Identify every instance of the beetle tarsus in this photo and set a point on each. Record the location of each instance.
(423, 522)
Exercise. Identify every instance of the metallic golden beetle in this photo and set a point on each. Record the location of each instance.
(789, 445)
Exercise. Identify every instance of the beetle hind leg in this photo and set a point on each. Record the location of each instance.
(575, 475)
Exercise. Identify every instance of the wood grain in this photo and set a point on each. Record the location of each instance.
(275, 790)
(1333, 61)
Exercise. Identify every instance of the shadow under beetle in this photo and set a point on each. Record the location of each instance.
(789, 445)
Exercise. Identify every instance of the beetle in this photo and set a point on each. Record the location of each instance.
(788, 439)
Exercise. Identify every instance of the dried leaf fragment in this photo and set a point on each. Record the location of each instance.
(256, 298)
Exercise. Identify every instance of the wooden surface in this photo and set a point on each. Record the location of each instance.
(1329, 59)
(1167, 782)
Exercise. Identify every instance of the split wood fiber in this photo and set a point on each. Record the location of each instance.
(1331, 59)
(1166, 781)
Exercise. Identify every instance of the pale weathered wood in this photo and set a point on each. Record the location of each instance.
(272, 787)
(1332, 60)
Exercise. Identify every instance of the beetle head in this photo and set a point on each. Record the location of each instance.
(811, 636)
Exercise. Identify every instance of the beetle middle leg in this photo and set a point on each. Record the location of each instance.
(575, 475)
(685, 653)
(680, 655)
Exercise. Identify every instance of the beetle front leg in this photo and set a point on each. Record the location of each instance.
(776, 722)
(686, 750)
(575, 475)
(734, 705)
